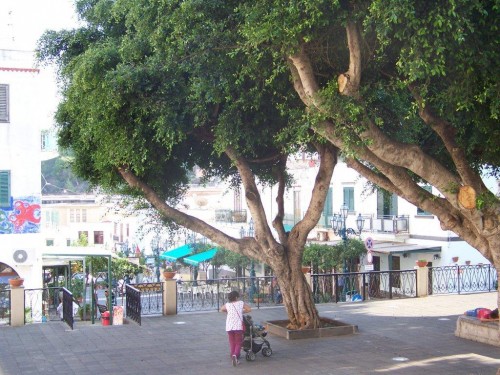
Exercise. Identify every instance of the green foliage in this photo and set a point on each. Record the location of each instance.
(82, 241)
(77, 286)
(327, 258)
(120, 267)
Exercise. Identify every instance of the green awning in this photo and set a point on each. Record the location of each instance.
(196, 259)
(173, 255)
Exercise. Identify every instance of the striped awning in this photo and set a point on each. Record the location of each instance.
(174, 254)
(196, 259)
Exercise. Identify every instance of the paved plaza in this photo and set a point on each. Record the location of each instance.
(410, 336)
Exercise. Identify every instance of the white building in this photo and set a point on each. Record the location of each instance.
(21, 115)
(401, 232)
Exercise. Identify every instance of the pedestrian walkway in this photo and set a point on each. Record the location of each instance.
(410, 336)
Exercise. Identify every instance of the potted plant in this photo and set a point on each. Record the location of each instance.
(421, 262)
(16, 282)
(169, 273)
(306, 269)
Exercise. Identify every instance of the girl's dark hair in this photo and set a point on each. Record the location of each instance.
(233, 296)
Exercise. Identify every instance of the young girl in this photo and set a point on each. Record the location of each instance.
(234, 324)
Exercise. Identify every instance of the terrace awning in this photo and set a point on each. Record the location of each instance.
(174, 254)
(196, 259)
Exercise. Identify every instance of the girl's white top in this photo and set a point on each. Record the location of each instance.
(234, 316)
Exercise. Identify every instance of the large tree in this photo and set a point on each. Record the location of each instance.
(153, 88)
(408, 90)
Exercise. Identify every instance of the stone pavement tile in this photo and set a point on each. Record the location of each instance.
(197, 344)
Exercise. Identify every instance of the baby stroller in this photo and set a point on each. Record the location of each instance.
(254, 339)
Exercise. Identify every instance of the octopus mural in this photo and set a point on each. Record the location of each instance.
(22, 217)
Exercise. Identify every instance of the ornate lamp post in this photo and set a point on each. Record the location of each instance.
(340, 228)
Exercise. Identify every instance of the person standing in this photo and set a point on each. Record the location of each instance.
(234, 324)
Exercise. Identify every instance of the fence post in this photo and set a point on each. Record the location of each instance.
(422, 281)
(17, 306)
(170, 297)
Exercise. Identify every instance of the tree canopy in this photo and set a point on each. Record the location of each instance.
(407, 90)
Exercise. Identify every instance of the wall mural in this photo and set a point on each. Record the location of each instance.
(22, 217)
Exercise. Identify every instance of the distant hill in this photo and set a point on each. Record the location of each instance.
(57, 178)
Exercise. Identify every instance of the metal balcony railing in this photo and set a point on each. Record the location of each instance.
(230, 216)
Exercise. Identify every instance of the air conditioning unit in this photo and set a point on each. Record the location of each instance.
(23, 257)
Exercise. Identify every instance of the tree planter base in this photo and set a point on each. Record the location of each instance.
(474, 329)
(331, 328)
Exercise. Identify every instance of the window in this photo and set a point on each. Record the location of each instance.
(387, 203)
(4, 103)
(349, 198)
(5, 189)
(77, 215)
(327, 209)
(99, 237)
(49, 242)
(44, 141)
(419, 210)
(51, 219)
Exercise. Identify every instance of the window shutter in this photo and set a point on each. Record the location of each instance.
(4, 103)
(4, 188)
(349, 198)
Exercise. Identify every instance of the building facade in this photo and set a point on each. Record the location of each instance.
(21, 114)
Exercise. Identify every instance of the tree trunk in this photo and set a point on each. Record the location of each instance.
(296, 291)
(298, 300)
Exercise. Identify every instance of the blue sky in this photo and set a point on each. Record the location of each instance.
(22, 22)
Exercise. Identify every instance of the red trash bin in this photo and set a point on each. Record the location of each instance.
(105, 318)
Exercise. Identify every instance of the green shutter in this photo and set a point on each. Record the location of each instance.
(4, 188)
(349, 197)
(4, 103)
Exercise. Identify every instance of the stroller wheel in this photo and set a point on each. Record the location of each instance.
(267, 352)
(250, 356)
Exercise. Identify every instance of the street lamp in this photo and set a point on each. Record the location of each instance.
(339, 227)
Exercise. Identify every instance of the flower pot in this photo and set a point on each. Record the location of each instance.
(16, 283)
(306, 269)
(168, 275)
(421, 263)
(467, 262)
(454, 259)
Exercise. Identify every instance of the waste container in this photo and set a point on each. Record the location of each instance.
(105, 318)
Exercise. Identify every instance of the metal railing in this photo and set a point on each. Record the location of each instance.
(133, 303)
(5, 307)
(151, 298)
(41, 304)
(67, 306)
(230, 216)
(361, 286)
(462, 279)
(212, 294)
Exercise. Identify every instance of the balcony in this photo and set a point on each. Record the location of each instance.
(230, 216)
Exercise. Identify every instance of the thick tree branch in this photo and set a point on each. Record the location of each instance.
(349, 81)
(447, 134)
(263, 233)
(328, 160)
(183, 219)
(278, 220)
